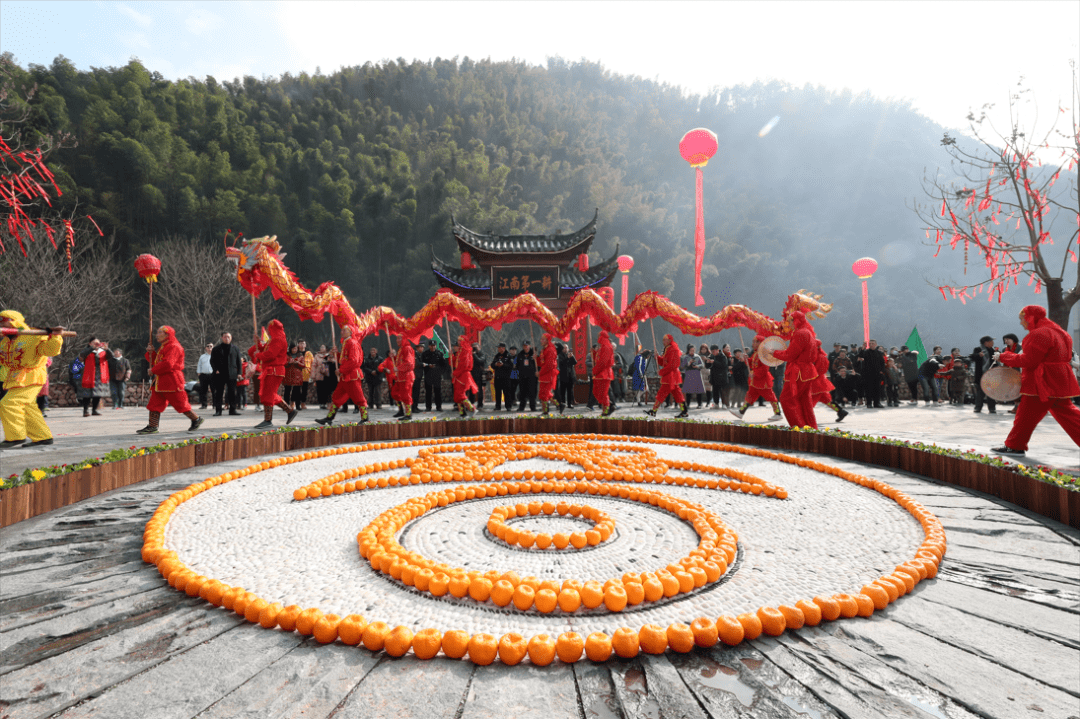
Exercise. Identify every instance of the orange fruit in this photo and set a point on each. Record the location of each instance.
(286, 618)
(625, 642)
(830, 608)
(375, 635)
(866, 605)
(543, 540)
(811, 612)
(398, 641)
(305, 623)
(680, 637)
(545, 601)
(502, 593)
(592, 595)
(654, 590)
(541, 650)
(877, 594)
(653, 639)
(439, 584)
(569, 646)
(561, 540)
(455, 643)
(578, 539)
(524, 596)
(635, 593)
(598, 647)
(483, 649)
(901, 587)
(422, 579)
(569, 600)
(425, 643)
(480, 589)
(685, 580)
(730, 630)
(908, 580)
(705, 632)
(670, 584)
(793, 617)
(751, 626)
(890, 589)
(268, 616)
(459, 585)
(772, 621)
(351, 629)
(615, 598)
(326, 629)
(512, 648)
(848, 606)
(254, 608)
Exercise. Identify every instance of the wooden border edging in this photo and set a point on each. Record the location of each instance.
(30, 500)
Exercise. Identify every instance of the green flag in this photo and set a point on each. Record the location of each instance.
(914, 343)
(439, 344)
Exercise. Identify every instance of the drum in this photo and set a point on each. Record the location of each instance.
(1001, 384)
(767, 347)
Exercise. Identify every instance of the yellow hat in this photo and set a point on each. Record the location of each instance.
(16, 319)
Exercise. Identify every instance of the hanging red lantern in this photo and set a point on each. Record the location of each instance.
(583, 262)
(626, 263)
(466, 261)
(864, 268)
(697, 147)
(148, 267)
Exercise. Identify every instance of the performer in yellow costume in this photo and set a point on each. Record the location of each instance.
(23, 360)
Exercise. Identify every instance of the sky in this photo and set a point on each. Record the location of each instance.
(946, 58)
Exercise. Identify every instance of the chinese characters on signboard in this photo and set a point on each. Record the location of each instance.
(509, 282)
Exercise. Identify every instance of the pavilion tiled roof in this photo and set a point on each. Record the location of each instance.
(571, 279)
(470, 241)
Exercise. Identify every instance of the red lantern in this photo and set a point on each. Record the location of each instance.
(697, 147)
(466, 261)
(148, 267)
(583, 262)
(864, 268)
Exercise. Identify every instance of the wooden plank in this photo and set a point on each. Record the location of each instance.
(49, 604)
(63, 680)
(649, 686)
(522, 692)
(396, 687)
(191, 681)
(596, 693)
(309, 681)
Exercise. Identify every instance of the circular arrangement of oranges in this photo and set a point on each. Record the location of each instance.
(478, 462)
(602, 528)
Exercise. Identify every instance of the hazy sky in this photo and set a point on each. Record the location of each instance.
(946, 57)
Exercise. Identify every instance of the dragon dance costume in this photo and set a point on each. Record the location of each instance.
(547, 373)
(670, 378)
(350, 377)
(800, 373)
(271, 358)
(406, 374)
(167, 367)
(22, 361)
(604, 372)
(463, 381)
(761, 385)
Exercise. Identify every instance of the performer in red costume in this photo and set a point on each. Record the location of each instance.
(1047, 382)
(167, 366)
(821, 393)
(800, 373)
(547, 373)
(387, 368)
(350, 376)
(670, 378)
(604, 372)
(271, 358)
(761, 382)
(463, 381)
(406, 364)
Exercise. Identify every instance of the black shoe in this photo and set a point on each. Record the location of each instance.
(682, 414)
(196, 423)
(405, 418)
(399, 414)
(651, 412)
(12, 444)
(1008, 450)
(877, 405)
(325, 421)
(365, 418)
(39, 443)
(841, 414)
(233, 413)
(147, 430)
(291, 416)
(96, 413)
(217, 413)
(265, 424)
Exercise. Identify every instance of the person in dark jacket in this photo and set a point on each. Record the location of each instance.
(717, 364)
(527, 384)
(927, 370)
(418, 376)
(982, 357)
(872, 373)
(740, 376)
(373, 377)
(225, 365)
(119, 374)
(501, 366)
(909, 369)
(567, 376)
(512, 390)
(432, 362)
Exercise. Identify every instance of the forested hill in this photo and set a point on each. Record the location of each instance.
(359, 172)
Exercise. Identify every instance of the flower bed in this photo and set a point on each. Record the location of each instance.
(1043, 490)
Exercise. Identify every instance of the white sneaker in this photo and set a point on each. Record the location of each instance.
(735, 412)
(775, 418)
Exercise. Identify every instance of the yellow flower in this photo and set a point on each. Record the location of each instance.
(38, 475)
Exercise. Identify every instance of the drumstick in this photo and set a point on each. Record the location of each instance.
(12, 332)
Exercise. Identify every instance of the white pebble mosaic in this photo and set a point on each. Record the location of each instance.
(828, 536)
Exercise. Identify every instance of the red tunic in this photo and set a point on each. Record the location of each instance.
(669, 365)
(800, 355)
(462, 373)
(1045, 371)
(822, 385)
(604, 362)
(405, 363)
(548, 365)
(760, 377)
(272, 356)
(351, 360)
(167, 364)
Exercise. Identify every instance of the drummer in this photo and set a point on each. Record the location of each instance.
(1047, 382)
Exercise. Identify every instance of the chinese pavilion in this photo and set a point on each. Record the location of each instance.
(496, 268)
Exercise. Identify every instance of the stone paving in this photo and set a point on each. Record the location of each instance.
(88, 629)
